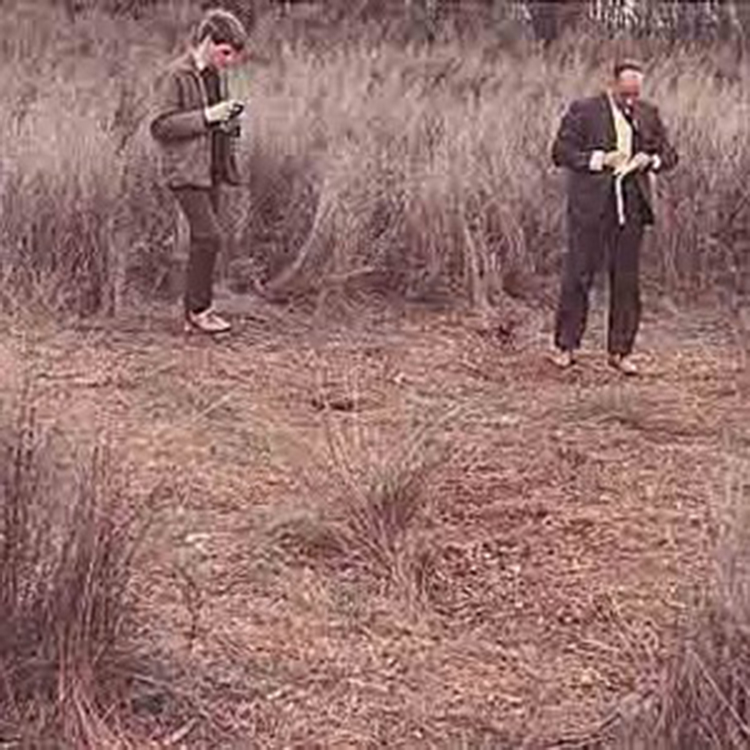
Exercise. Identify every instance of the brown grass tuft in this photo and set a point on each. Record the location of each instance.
(382, 502)
(701, 700)
(66, 547)
(706, 698)
(373, 509)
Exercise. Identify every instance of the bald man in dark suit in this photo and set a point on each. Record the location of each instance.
(611, 145)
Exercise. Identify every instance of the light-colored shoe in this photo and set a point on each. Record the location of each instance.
(624, 364)
(206, 322)
(564, 359)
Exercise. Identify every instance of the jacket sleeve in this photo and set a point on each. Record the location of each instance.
(570, 148)
(662, 146)
(170, 121)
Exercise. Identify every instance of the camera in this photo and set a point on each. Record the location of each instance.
(233, 127)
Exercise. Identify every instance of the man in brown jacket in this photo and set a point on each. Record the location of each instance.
(611, 146)
(195, 124)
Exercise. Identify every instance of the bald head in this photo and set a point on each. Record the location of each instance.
(628, 82)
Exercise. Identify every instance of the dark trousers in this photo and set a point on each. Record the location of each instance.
(201, 208)
(592, 246)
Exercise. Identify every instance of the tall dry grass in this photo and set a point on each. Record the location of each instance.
(701, 698)
(419, 171)
(66, 549)
(705, 701)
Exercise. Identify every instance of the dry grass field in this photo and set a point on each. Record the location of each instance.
(397, 530)
(376, 515)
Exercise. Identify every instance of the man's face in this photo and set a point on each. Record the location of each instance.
(628, 87)
(222, 56)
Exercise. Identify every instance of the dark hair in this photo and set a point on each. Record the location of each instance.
(621, 66)
(222, 27)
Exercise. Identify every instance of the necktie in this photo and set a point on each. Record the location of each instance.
(629, 114)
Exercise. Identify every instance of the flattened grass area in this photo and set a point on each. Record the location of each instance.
(400, 530)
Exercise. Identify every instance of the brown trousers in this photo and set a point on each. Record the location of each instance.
(201, 208)
(591, 246)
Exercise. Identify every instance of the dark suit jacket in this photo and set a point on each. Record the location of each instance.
(589, 126)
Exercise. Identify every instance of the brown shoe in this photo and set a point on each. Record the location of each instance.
(563, 359)
(206, 322)
(624, 364)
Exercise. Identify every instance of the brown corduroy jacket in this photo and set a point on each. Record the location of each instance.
(179, 126)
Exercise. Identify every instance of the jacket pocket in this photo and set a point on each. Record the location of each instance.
(188, 162)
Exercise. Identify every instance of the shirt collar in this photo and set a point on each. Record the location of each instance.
(200, 65)
(616, 106)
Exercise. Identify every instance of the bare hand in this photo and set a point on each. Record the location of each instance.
(642, 161)
(222, 112)
(614, 160)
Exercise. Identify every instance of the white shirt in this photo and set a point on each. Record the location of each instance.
(624, 132)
